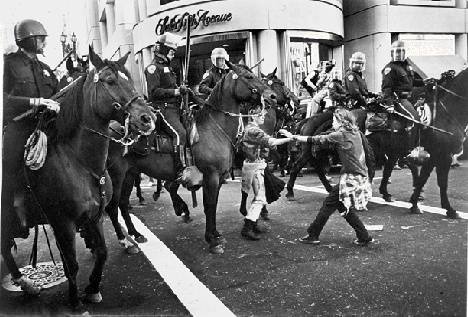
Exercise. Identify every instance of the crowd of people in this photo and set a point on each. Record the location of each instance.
(29, 84)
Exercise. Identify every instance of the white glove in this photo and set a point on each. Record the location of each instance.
(286, 133)
(48, 103)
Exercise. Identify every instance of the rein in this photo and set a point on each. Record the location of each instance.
(451, 92)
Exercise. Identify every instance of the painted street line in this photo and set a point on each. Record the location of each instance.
(378, 200)
(192, 293)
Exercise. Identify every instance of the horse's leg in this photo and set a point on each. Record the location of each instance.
(424, 174)
(125, 192)
(211, 187)
(157, 193)
(25, 283)
(415, 175)
(96, 230)
(442, 169)
(137, 183)
(386, 174)
(64, 232)
(180, 207)
(297, 166)
(321, 173)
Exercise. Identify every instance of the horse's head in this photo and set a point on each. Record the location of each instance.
(284, 96)
(119, 100)
(248, 88)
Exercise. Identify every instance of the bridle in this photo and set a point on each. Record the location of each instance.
(125, 140)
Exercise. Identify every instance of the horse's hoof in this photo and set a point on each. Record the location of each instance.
(79, 309)
(27, 286)
(415, 210)
(186, 218)
(93, 298)
(290, 195)
(133, 249)
(452, 214)
(217, 249)
(388, 198)
(141, 239)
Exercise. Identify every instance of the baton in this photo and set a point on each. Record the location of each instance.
(257, 63)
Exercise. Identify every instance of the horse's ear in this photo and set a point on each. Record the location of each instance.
(263, 75)
(95, 59)
(69, 65)
(274, 72)
(229, 64)
(123, 59)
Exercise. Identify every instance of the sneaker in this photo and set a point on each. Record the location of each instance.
(363, 243)
(27, 285)
(309, 240)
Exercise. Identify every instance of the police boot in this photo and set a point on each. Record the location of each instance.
(248, 230)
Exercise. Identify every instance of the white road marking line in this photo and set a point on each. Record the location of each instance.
(378, 200)
(192, 293)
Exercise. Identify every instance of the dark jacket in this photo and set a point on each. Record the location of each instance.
(24, 78)
(337, 92)
(356, 86)
(210, 79)
(398, 77)
(161, 82)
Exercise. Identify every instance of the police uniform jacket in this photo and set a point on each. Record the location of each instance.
(398, 77)
(25, 78)
(210, 79)
(161, 82)
(356, 87)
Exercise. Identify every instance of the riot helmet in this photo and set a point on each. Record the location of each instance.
(30, 35)
(166, 43)
(335, 74)
(219, 56)
(398, 51)
(357, 62)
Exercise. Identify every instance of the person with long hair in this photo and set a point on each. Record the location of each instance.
(353, 190)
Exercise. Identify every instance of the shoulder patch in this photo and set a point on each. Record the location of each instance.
(387, 70)
(151, 69)
(205, 75)
(350, 77)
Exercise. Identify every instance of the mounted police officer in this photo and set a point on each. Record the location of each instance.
(165, 93)
(354, 81)
(322, 84)
(337, 93)
(28, 85)
(398, 81)
(219, 56)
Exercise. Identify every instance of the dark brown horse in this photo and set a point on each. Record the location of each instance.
(218, 126)
(451, 115)
(72, 187)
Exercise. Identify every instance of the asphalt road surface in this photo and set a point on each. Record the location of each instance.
(416, 268)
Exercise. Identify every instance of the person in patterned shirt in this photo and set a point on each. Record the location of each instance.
(255, 144)
(354, 189)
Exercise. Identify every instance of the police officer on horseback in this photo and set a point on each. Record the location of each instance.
(165, 93)
(355, 83)
(398, 80)
(28, 85)
(219, 56)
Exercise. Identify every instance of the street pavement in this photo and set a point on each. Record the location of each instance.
(416, 268)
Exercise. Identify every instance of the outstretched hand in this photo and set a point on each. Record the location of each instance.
(286, 133)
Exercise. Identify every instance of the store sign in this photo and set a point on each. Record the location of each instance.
(178, 22)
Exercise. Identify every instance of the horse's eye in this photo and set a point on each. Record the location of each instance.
(254, 90)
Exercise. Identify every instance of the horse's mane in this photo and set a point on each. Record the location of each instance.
(71, 109)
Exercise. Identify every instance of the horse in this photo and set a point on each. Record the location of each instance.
(73, 186)
(286, 103)
(217, 126)
(319, 159)
(451, 115)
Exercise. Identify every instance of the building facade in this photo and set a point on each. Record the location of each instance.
(290, 35)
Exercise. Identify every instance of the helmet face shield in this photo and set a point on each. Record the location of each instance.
(357, 62)
(398, 54)
(218, 57)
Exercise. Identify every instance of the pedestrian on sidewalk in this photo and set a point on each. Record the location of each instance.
(353, 190)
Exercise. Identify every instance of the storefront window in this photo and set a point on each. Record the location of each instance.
(428, 44)
(305, 57)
